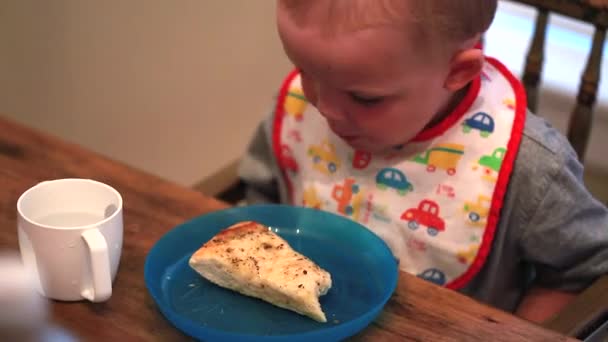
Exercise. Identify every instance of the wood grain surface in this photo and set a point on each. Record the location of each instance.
(418, 311)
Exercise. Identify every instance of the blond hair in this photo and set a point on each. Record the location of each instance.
(444, 21)
(453, 20)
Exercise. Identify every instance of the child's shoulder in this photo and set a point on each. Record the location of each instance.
(542, 145)
(545, 159)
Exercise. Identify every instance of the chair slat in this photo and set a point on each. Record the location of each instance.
(534, 61)
(579, 129)
(575, 9)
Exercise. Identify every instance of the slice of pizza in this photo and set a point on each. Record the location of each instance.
(251, 259)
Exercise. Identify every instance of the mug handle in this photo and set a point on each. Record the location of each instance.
(100, 267)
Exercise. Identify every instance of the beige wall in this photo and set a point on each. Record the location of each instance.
(175, 87)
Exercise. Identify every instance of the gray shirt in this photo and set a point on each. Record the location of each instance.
(552, 232)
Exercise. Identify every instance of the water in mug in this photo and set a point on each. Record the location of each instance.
(69, 219)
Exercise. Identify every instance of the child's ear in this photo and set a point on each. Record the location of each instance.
(465, 66)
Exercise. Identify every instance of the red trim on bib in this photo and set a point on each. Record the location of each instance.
(454, 116)
(503, 177)
(278, 125)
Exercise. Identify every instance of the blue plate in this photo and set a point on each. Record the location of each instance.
(364, 274)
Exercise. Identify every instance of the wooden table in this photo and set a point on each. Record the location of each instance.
(418, 310)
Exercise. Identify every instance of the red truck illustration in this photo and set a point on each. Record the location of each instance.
(349, 197)
(361, 160)
(426, 214)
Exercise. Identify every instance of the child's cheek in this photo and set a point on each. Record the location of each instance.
(385, 121)
(368, 116)
(308, 88)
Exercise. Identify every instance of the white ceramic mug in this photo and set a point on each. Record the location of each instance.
(70, 237)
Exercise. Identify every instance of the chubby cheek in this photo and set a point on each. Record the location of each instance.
(391, 125)
(309, 89)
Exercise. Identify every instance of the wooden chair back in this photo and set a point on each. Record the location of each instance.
(581, 119)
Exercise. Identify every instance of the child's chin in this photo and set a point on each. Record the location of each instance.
(362, 145)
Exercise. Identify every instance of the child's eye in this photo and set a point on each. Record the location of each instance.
(364, 100)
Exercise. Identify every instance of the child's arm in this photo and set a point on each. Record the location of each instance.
(566, 238)
(540, 304)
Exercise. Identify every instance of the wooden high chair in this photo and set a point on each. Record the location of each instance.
(590, 11)
(587, 315)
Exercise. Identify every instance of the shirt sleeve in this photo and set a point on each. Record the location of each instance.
(258, 170)
(566, 239)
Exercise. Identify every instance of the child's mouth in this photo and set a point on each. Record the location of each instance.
(348, 138)
(345, 136)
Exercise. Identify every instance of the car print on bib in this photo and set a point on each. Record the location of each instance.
(361, 160)
(510, 103)
(311, 198)
(432, 200)
(394, 179)
(491, 164)
(426, 214)
(434, 276)
(350, 198)
(467, 256)
(324, 158)
(482, 122)
(295, 103)
(477, 212)
(443, 156)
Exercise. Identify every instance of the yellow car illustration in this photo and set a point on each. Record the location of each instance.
(510, 103)
(295, 103)
(324, 158)
(358, 205)
(477, 212)
(311, 198)
(467, 256)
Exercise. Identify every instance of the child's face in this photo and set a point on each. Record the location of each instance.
(374, 87)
